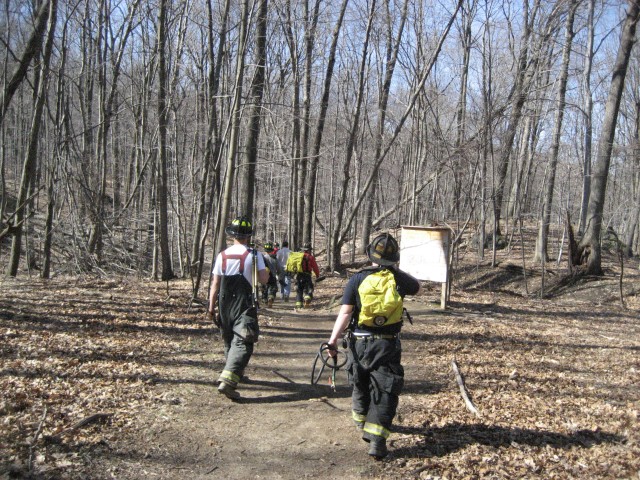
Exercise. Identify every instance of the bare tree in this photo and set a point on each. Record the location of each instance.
(415, 94)
(590, 247)
(518, 97)
(248, 170)
(635, 212)
(334, 244)
(209, 183)
(312, 170)
(588, 118)
(295, 197)
(236, 109)
(162, 179)
(31, 50)
(392, 57)
(545, 218)
(27, 182)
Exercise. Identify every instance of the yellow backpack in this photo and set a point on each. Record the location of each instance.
(295, 263)
(381, 302)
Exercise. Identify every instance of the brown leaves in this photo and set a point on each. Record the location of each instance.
(89, 359)
(556, 380)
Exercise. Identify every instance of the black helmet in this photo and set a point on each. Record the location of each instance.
(384, 250)
(240, 227)
(306, 247)
(268, 247)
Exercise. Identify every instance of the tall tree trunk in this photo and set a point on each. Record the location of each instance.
(211, 172)
(293, 226)
(248, 171)
(31, 50)
(30, 162)
(163, 191)
(334, 243)
(311, 23)
(458, 166)
(545, 219)
(588, 120)
(635, 215)
(518, 97)
(236, 110)
(392, 56)
(487, 129)
(312, 170)
(61, 121)
(590, 245)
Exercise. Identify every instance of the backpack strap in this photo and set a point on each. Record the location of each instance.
(226, 257)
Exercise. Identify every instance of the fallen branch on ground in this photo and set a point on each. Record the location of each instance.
(463, 390)
(82, 423)
(35, 439)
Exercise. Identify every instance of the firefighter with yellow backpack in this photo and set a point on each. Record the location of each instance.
(302, 265)
(372, 314)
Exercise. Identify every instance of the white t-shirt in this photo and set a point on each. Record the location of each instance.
(233, 265)
(283, 256)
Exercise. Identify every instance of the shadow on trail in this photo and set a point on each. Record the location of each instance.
(441, 441)
(295, 392)
(521, 314)
(501, 341)
(297, 333)
(418, 387)
(87, 323)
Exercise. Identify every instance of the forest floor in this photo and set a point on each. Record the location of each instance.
(115, 378)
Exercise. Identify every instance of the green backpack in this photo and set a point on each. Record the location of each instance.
(381, 302)
(295, 263)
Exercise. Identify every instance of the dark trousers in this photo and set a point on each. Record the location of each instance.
(236, 312)
(304, 285)
(270, 289)
(377, 378)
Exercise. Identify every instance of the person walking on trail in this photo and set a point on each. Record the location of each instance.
(232, 295)
(371, 314)
(282, 256)
(276, 274)
(304, 280)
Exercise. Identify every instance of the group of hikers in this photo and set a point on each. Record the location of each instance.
(284, 265)
(369, 320)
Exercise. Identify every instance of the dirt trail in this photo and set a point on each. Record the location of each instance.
(555, 380)
(283, 427)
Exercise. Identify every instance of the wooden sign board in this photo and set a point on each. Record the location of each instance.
(424, 253)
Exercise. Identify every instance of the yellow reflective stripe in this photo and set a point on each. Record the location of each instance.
(242, 224)
(227, 375)
(378, 430)
(358, 417)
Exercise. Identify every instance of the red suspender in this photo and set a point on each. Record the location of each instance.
(234, 257)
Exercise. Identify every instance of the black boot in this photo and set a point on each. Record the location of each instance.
(378, 448)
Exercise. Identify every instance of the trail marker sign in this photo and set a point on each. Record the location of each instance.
(424, 253)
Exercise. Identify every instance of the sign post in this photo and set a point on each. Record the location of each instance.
(424, 253)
